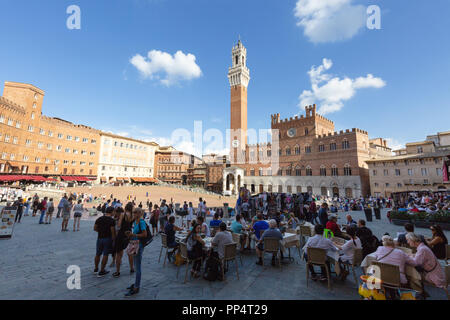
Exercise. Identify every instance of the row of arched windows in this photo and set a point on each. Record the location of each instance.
(298, 171)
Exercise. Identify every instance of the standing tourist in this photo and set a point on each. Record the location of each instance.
(104, 226)
(27, 206)
(43, 208)
(60, 206)
(49, 212)
(78, 212)
(139, 233)
(35, 204)
(19, 204)
(67, 208)
(190, 214)
(154, 217)
(121, 242)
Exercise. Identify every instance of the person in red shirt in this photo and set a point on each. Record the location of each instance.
(335, 228)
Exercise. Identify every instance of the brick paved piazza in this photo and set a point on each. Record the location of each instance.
(33, 266)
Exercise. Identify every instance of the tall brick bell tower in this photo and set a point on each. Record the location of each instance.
(239, 77)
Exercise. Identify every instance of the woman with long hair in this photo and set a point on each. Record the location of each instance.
(348, 250)
(77, 213)
(438, 242)
(121, 242)
(195, 243)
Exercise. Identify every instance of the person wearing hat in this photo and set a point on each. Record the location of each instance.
(335, 228)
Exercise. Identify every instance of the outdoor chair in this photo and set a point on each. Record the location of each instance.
(357, 259)
(317, 257)
(389, 275)
(185, 256)
(230, 253)
(272, 245)
(293, 244)
(237, 239)
(163, 246)
(305, 231)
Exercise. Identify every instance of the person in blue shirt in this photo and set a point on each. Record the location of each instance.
(237, 227)
(259, 226)
(271, 232)
(139, 232)
(215, 222)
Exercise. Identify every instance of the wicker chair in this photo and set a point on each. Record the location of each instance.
(237, 239)
(230, 253)
(317, 257)
(272, 245)
(163, 246)
(389, 274)
(305, 231)
(357, 259)
(185, 256)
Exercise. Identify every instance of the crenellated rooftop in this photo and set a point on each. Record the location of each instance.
(12, 105)
(342, 132)
(310, 113)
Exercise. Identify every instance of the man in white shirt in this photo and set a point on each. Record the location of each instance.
(318, 241)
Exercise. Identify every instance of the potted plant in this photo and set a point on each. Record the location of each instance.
(400, 217)
(441, 218)
(421, 220)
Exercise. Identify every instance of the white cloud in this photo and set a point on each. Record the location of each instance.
(394, 144)
(168, 69)
(329, 20)
(331, 92)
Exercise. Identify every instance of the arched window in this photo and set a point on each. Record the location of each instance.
(261, 173)
(288, 171)
(321, 147)
(323, 171)
(288, 151)
(334, 170)
(269, 171)
(333, 146)
(307, 149)
(298, 171)
(297, 149)
(308, 171)
(347, 170)
(345, 144)
(252, 171)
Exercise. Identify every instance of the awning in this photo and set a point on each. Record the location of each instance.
(12, 178)
(75, 178)
(145, 180)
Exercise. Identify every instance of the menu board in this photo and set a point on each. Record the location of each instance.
(7, 216)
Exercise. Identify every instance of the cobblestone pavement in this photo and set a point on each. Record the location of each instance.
(33, 265)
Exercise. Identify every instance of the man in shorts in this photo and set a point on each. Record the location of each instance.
(67, 208)
(105, 227)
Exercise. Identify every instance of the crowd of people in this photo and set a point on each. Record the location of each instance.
(125, 227)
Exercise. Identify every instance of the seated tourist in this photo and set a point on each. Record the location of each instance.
(387, 253)
(401, 239)
(194, 244)
(272, 232)
(170, 230)
(259, 226)
(293, 221)
(335, 228)
(366, 237)
(438, 242)
(350, 221)
(318, 241)
(348, 249)
(204, 227)
(425, 260)
(215, 222)
(237, 227)
(222, 238)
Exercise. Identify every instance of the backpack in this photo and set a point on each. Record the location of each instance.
(213, 269)
(51, 209)
(40, 206)
(146, 241)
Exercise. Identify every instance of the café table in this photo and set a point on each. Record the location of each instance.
(181, 237)
(288, 238)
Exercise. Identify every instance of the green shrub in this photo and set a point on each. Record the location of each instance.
(440, 216)
(401, 215)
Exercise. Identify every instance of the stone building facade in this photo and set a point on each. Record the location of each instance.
(123, 159)
(417, 167)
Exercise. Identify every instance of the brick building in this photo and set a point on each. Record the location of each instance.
(306, 154)
(33, 144)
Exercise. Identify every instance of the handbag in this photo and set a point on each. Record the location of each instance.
(133, 247)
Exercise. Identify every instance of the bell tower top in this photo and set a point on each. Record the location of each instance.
(239, 74)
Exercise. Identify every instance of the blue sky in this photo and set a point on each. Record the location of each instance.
(88, 77)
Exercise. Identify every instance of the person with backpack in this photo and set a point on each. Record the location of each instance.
(49, 212)
(35, 205)
(194, 244)
(154, 217)
(137, 237)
